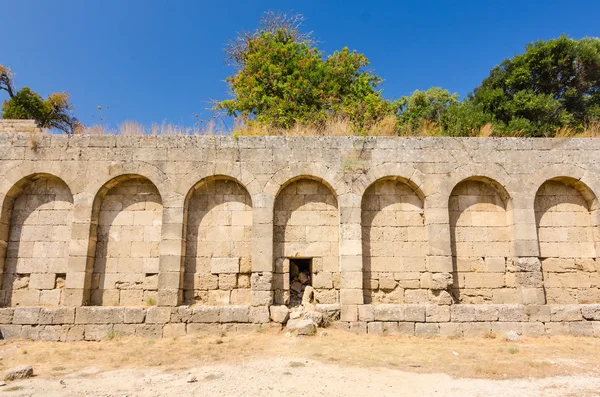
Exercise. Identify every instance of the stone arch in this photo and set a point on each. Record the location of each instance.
(125, 235)
(306, 226)
(566, 212)
(217, 242)
(35, 231)
(405, 172)
(328, 176)
(394, 240)
(481, 223)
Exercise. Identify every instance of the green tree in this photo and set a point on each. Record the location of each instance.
(282, 79)
(424, 109)
(553, 84)
(56, 112)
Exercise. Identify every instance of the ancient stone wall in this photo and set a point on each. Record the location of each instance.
(158, 235)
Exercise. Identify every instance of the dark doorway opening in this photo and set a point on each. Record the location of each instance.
(300, 278)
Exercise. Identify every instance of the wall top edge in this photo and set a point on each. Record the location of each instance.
(308, 141)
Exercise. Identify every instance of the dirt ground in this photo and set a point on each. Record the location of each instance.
(339, 364)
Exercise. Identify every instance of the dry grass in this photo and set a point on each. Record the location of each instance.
(334, 127)
(133, 128)
(591, 131)
(474, 358)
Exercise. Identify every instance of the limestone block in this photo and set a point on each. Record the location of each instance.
(451, 329)
(224, 265)
(581, 328)
(524, 264)
(51, 297)
(99, 315)
(591, 312)
(512, 313)
(6, 315)
(181, 314)
(279, 314)
(474, 313)
(93, 332)
(52, 333)
(219, 298)
(205, 314)
(538, 313)
(437, 314)
(495, 264)
(414, 313)
(31, 332)
(476, 330)
(258, 315)
(557, 328)
(439, 264)
(241, 296)
(351, 296)
(349, 313)
(565, 313)
(124, 329)
(366, 313)
(42, 280)
(234, 314)
(10, 331)
(227, 281)
(158, 315)
(533, 329)
(261, 281)
(149, 330)
(441, 281)
(74, 333)
(375, 328)
(388, 312)
(323, 280)
(424, 329)
(532, 296)
(261, 298)
(26, 315)
(134, 315)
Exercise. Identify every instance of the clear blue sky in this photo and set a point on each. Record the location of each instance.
(154, 61)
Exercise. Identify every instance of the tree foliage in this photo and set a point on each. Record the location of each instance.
(55, 112)
(283, 79)
(553, 84)
(423, 106)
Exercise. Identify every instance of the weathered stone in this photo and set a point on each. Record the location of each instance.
(225, 265)
(234, 314)
(279, 314)
(472, 313)
(158, 315)
(564, 313)
(205, 314)
(388, 313)
(302, 326)
(22, 372)
(99, 315)
(134, 315)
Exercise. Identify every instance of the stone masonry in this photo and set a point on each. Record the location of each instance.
(169, 235)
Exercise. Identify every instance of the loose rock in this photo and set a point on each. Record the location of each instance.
(22, 372)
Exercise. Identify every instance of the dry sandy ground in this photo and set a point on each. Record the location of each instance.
(340, 364)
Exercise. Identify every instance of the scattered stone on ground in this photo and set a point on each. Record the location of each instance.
(22, 372)
(279, 314)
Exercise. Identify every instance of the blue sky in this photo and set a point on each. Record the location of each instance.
(155, 61)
